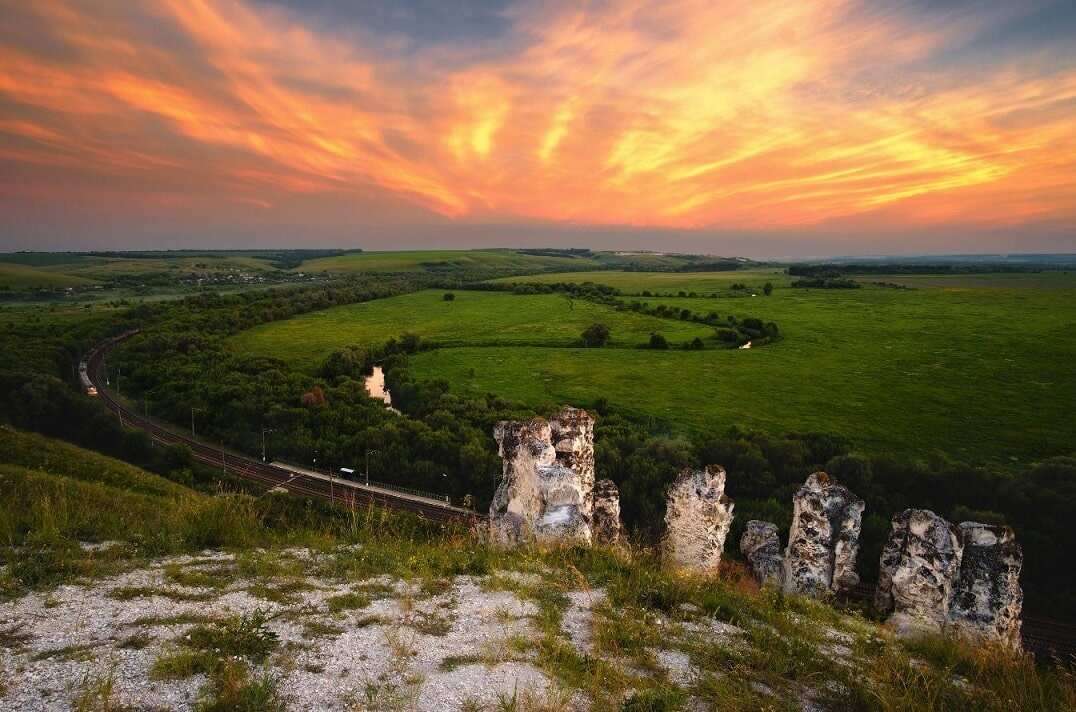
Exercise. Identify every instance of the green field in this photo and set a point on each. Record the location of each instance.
(979, 367)
(474, 319)
(442, 260)
(636, 282)
(18, 276)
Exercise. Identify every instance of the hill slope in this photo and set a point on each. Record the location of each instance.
(292, 607)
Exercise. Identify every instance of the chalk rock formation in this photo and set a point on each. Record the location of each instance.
(762, 548)
(541, 496)
(987, 597)
(824, 539)
(605, 521)
(697, 518)
(572, 430)
(917, 569)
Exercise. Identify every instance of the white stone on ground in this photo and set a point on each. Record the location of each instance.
(328, 672)
(578, 620)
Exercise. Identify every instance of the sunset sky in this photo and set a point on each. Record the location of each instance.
(762, 128)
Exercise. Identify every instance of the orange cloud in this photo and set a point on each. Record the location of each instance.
(692, 114)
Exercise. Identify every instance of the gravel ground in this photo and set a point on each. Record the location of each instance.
(403, 650)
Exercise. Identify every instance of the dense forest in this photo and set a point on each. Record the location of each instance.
(180, 368)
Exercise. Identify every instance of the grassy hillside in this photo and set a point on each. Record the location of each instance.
(19, 276)
(267, 628)
(442, 261)
(636, 282)
(471, 319)
(56, 499)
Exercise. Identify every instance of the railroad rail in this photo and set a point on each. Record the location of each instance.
(271, 475)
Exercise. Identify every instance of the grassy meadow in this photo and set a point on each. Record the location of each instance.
(441, 260)
(664, 282)
(473, 319)
(19, 276)
(978, 367)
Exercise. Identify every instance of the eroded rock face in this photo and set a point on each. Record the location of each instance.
(572, 431)
(605, 520)
(987, 599)
(762, 548)
(541, 495)
(918, 567)
(697, 518)
(824, 539)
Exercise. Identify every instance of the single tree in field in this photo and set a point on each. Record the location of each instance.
(657, 341)
(449, 297)
(595, 335)
(768, 289)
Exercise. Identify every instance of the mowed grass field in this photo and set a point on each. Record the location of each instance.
(473, 319)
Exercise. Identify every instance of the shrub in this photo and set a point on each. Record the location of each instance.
(596, 335)
(657, 341)
(449, 297)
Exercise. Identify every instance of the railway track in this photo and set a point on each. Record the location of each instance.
(293, 479)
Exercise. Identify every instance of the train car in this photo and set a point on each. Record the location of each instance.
(84, 378)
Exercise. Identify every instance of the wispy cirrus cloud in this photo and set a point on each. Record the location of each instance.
(775, 114)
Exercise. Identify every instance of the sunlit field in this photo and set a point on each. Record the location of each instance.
(977, 367)
(482, 319)
(440, 260)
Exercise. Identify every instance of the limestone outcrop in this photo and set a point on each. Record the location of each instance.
(572, 431)
(697, 519)
(605, 524)
(761, 546)
(917, 570)
(824, 539)
(987, 598)
(542, 495)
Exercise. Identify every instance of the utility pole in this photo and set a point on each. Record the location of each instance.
(264, 431)
(368, 453)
